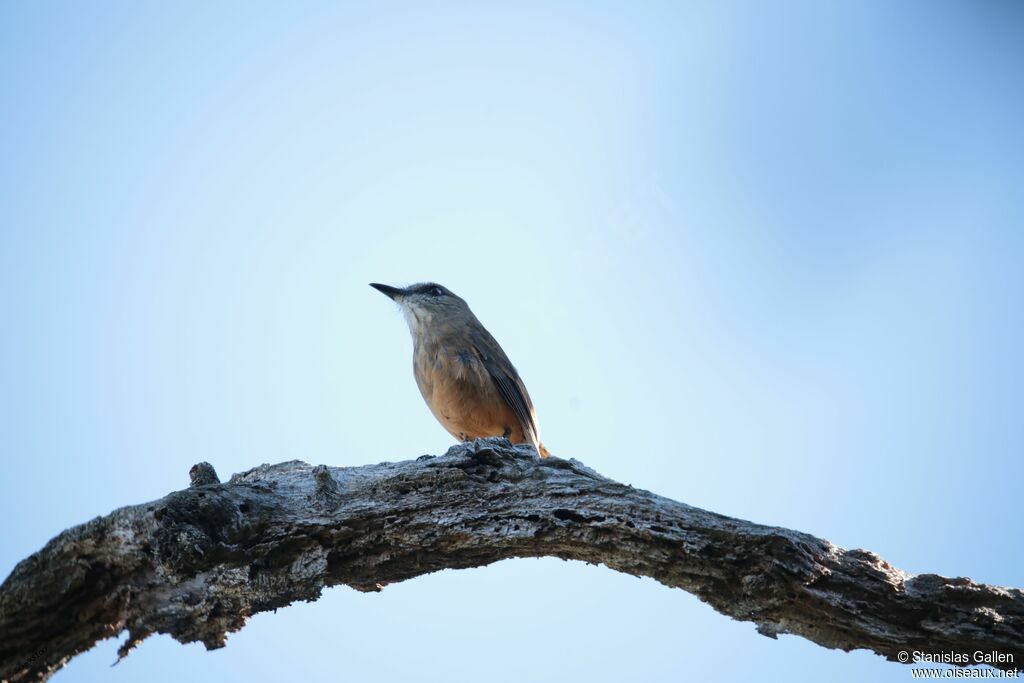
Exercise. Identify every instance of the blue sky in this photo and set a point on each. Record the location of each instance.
(763, 259)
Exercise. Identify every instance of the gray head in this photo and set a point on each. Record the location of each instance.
(425, 303)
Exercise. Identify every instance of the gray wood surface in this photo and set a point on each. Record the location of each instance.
(196, 563)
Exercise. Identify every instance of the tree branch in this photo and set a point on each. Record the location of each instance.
(198, 562)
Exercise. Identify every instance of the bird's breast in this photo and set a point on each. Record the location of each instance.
(460, 393)
(446, 367)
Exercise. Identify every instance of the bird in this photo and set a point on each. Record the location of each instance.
(466, 379)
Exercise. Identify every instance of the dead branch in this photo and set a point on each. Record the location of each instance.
(198, 562)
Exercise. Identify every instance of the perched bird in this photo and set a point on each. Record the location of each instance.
(468, 382)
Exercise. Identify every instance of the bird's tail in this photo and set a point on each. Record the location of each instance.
(542, 450)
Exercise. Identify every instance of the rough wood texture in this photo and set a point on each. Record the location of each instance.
(196, 563)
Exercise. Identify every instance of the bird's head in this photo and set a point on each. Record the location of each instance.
(425, 303)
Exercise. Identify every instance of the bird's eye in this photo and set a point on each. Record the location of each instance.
(437, 291)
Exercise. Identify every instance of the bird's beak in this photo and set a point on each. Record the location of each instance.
(392, 293)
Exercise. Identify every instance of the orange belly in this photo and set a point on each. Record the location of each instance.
(463, 398)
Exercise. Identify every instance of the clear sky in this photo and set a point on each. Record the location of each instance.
(763, 258)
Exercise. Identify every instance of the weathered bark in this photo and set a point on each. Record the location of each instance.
(198, 562)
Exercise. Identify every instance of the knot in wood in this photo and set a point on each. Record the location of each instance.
(203, 474)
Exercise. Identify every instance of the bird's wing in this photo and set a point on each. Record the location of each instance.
(505, 378)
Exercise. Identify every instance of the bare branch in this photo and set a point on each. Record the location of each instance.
(198, 562)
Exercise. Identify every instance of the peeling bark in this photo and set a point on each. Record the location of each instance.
(198, 562)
